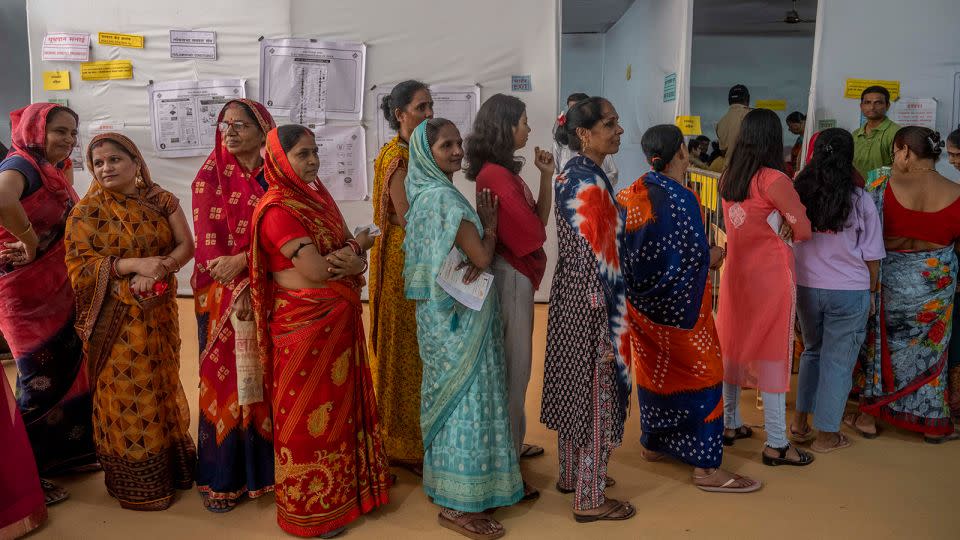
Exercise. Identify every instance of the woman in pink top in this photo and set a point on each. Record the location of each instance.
(757, 288)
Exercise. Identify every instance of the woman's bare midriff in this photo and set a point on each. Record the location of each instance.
(292, 279)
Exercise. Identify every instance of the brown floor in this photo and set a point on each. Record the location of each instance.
(891, 487)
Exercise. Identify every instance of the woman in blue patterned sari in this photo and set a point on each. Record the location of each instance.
(469, 463)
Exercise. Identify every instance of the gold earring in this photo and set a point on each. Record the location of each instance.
(138, 180)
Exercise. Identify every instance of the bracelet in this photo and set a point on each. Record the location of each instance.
(176, 265)
(357, 250)
(25, 231)
(365, 266)
(490, 231)
(113, 268)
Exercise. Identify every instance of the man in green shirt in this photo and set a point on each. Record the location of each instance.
(873, 142)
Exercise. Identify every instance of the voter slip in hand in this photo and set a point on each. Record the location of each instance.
(450, 280)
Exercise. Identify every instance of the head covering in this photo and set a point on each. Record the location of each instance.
(150, 194)
(29, 139)
(738, 93)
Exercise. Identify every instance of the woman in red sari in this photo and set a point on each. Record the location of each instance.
(234, 443)
(36, 301)
(21, 499)
(305, 277)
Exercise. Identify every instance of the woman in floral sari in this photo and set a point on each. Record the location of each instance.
(125, 240)
(469, 461)
(904, 357)
(36, 301)
(395, 357)
(305, 277)
(234, 441)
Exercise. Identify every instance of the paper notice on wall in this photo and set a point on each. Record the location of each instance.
(183, 114)
(120, 40)
(458, 103)
(76, 155)
(911, 111)
(56, 80)
(106, 70)
(193, 44)
(689, 125)
(853, 88)
(772, 104)
(65, 47)
(343, 161)
(104, 126)
(296, 73)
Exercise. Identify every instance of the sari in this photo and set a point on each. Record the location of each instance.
(903, 360)
(132, 343)
(330, 464)
(234, 442)
(673, 341)
(37, 313)
(469, 461)
(21, 500)
(395, 358)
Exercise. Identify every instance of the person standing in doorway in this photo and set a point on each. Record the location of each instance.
(562, 154)
(728, 128)
(796, 122)
(873, 141)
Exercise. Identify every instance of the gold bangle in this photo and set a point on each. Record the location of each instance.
(25, 231)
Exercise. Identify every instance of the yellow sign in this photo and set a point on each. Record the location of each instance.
(772, 104)
(707, 189)
(120, 40)
(56, 80)
(855, 87)
(689, 125)
(106, 70)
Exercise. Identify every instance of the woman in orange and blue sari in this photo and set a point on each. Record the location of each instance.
(36, 301)
(305, 278)
(674, 346)
(125, 241)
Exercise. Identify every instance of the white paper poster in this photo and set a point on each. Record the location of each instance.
(105, 126)
(343, 161)
(183, 114)
(193, 44)
(313, 80)
(76, 155)
(910, 111)
(65, 47)
(458, 103)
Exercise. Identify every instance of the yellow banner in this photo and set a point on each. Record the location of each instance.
(106, 70)
(772, 104)
(689, 125)
(855, 87)
(56, 80)
(707, 189)
(120, 40)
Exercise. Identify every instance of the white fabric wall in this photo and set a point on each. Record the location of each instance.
(650, 37)
(771, 67)
(581, 64)
(474, 43)
(917, 43)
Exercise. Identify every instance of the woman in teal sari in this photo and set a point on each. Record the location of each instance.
(469, 464)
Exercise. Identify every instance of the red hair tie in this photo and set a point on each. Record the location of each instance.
(562, 120)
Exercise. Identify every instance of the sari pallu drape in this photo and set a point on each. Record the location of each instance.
(904, 357)
(141, 419)
(37, 314)
(674, 345)
(234, 442)
(22, 507)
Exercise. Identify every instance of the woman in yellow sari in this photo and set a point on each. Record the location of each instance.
(125, 240)
(395, 359)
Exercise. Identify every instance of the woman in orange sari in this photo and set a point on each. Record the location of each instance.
(305, 279)
(125, 240)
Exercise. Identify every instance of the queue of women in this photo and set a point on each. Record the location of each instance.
(292, 401)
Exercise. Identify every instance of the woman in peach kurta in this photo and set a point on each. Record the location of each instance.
(757, 288)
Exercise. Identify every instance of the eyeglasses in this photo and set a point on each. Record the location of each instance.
(237, 126)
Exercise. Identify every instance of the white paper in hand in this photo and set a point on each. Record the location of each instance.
(775, 220)
(450, 280)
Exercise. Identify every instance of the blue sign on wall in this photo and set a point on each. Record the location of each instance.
(521, 83)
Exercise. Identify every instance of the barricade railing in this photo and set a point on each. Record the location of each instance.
(706, 185)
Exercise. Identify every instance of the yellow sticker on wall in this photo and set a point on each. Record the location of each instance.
(56, 80)
(855, 87)
(120, 40)
(772, 104)
(106, 70)
(689, 125)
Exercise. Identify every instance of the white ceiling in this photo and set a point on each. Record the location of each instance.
(741, 17)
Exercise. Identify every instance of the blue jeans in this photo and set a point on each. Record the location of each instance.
(774, 414)
(834, 325)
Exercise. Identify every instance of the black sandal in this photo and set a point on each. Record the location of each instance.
(806, 458)
(742, 432)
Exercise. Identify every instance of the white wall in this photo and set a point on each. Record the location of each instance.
(770, 67)
(15, 82)
(917, 43)
(649, 38)
(581, 64)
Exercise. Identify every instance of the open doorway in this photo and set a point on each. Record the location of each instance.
(765, 46)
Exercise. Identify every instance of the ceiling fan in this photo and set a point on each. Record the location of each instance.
(793, 16)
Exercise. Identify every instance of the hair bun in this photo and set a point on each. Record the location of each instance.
(935, 142)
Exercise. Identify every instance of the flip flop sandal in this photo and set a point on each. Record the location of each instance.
(530, 450)
(460, 526)
(850, 420)
(208, 504)
(608, 515)
(530, 493)
(609, 483)
(940, 440)
(842, 442)
(727, 486)
(742, 432)
(52, 493)
(652, 456)
(333, 534)
(802, 437)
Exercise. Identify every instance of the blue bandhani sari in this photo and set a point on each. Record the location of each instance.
(674, 346)
(469, 461)
(904, 357)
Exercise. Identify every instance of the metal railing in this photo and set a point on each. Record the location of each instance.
(706, 185)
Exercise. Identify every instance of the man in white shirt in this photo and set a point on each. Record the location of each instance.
(563, 154)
